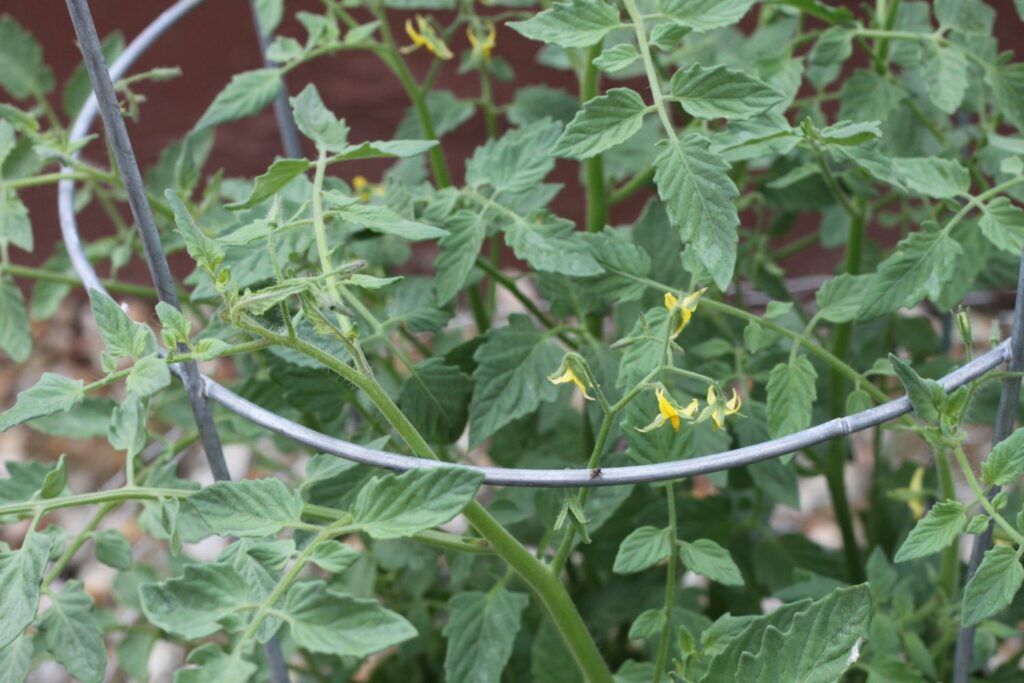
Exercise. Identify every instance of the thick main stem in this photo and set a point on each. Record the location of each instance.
(670, 586)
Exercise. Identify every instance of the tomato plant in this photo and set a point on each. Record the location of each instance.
(597, 430)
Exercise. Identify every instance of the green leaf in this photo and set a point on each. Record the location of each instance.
(550, 244)
(849, 133)
(459, 250)
(705, 15)
(203, 250)
(926, 395)
(603, 123)
(246, 94)
(395, 506)
(435, 398)
(56, 480)
(867, 96)
(922, 263)
(15, 332)
(333, 623)
(249, 508)
(941, 526)
(1002, 223)
(121, 335)
(720, 92)
(386, 149)
(1006, 461)
(944, 72)
(215, 666)
(933, 177)
(72, 634)
(709, 559)
(517, 161)
(78, 88)
(1007, 83)
(15, 225)
(447, 112)
(535, 103)
(385, 221)
(149, 375)
(617, 58)
(334, 557)
(269, 14)
(280, 173)
(993, 586)
(839, 299)
(52, 394)
(127, 427)
(317, 122)
(23, 73)
(967, 16)
(113, 549)
(21, 574)
(791, 395)
(699, 195)
(133, 654)
(16, 659)
(481, 629)
(624, 263)
(511, 379)
(642, 548)
(819, 645)
(576, 23)
(827, 56)
(192, 605)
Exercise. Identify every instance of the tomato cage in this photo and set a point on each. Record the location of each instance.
(201, 389)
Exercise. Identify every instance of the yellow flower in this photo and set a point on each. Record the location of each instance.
(424, 35)
(686, 307)
(718, 410)
(483, 46)
(916, 487)
(670, 412)
(364, 189)
(570, 376)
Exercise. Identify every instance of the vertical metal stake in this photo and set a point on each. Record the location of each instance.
(282, 109)
(1008, 400)
(124, 155)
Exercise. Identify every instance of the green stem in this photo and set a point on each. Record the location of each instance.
(631, 187)
(670, 587)
(49, 178)
(545, 584)
(650, 69)
(949, 573)
(79, 540)
(68, 279)
(979, 493)
(594, 188)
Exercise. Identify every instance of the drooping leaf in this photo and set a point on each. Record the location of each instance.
(280, 173)
(213, 665)
(459, 250)
(642, 548)
(993, 586)
(926, 395)
(385, 221)
(791, 395)
(322, 620)
(1007, 83)
(52, 394)
(73, 635)
(839, 299)
(246, 94)
(921, 264)
(395, 506)
(22, 70)
(603, 123)
(16, 659)
(945, 76)
(709, 559)
(317, 122)
(15, 333)
(1002, 223)
(705, 15)
(941, 526)
(511, 376)
(575, 23)
(149, 375)
(113, 549)
(250, 508)
(191, 606)
(1006, 461)
(203, 250)
(334, 557)
(121, 335)
(550, 244)
(827, 56)
(933, 177)
(720, 92)
(616, 58)
(480, 631)
(699, 195)
(435, 398)
(21, 574)
(517, 161)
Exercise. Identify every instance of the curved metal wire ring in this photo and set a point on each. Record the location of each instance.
(607, 476)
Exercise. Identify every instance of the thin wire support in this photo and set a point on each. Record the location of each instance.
(607, 476)
(117, 135)
(282, 109)
(1009, 398)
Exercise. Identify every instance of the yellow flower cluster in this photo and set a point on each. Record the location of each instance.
(482, 46)
(685, 308)
(424, 35)
(670, 412)
(364, 189)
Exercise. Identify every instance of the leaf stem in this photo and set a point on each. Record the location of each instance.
(670, 586)
(649, 68)
(979, 493)
(68, 279)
